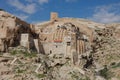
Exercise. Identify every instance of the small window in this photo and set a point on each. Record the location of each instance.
(56, 46)
(50, 51)
(68, 43)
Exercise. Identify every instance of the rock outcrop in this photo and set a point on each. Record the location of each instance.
(11, 29)
(69, 49)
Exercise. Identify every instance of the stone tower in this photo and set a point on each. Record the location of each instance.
(54, 16)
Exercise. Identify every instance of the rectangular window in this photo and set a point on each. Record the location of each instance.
(68, 43)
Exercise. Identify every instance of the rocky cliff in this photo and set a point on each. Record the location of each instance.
(67, 49)
(11, 29)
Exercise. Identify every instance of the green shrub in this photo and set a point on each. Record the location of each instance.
(116, 66)
(77, 76)
(106, 73)
(13, 52)
(86, 78)
(25, 53)
(20, 71)
(40, 75)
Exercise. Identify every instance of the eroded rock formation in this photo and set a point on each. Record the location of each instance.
(11, 29)
(69, 49)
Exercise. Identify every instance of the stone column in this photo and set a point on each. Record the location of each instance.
(74, 54)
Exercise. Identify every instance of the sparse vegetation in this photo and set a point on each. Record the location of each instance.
(40, 75)
(91, 47)
(116, 65)
(20, 71)
(13, 52)
(33, 54)
(25, 53)
(76, 76)
(106, 73)
(86, 78)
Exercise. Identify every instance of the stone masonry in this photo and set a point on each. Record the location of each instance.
(63, 38)
(58, 36)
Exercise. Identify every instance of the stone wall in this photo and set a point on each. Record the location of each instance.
(63, 39)
(3, 33)
(25, 40)
(58, 36)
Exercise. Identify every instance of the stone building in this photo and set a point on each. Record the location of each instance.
(59, 36)
(64, 37)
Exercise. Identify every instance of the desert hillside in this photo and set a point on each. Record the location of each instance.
(58, 49)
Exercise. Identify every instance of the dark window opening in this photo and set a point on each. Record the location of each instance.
(56, 46)
(55, 20)
(68, 43)
(45, 39)
(50, 51)
(58, 26)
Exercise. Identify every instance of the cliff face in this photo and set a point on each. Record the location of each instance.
(97, 46)
(69, 49)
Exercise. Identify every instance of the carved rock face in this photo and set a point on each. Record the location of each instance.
(10, 23)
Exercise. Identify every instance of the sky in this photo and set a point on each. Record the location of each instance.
(35, 11)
